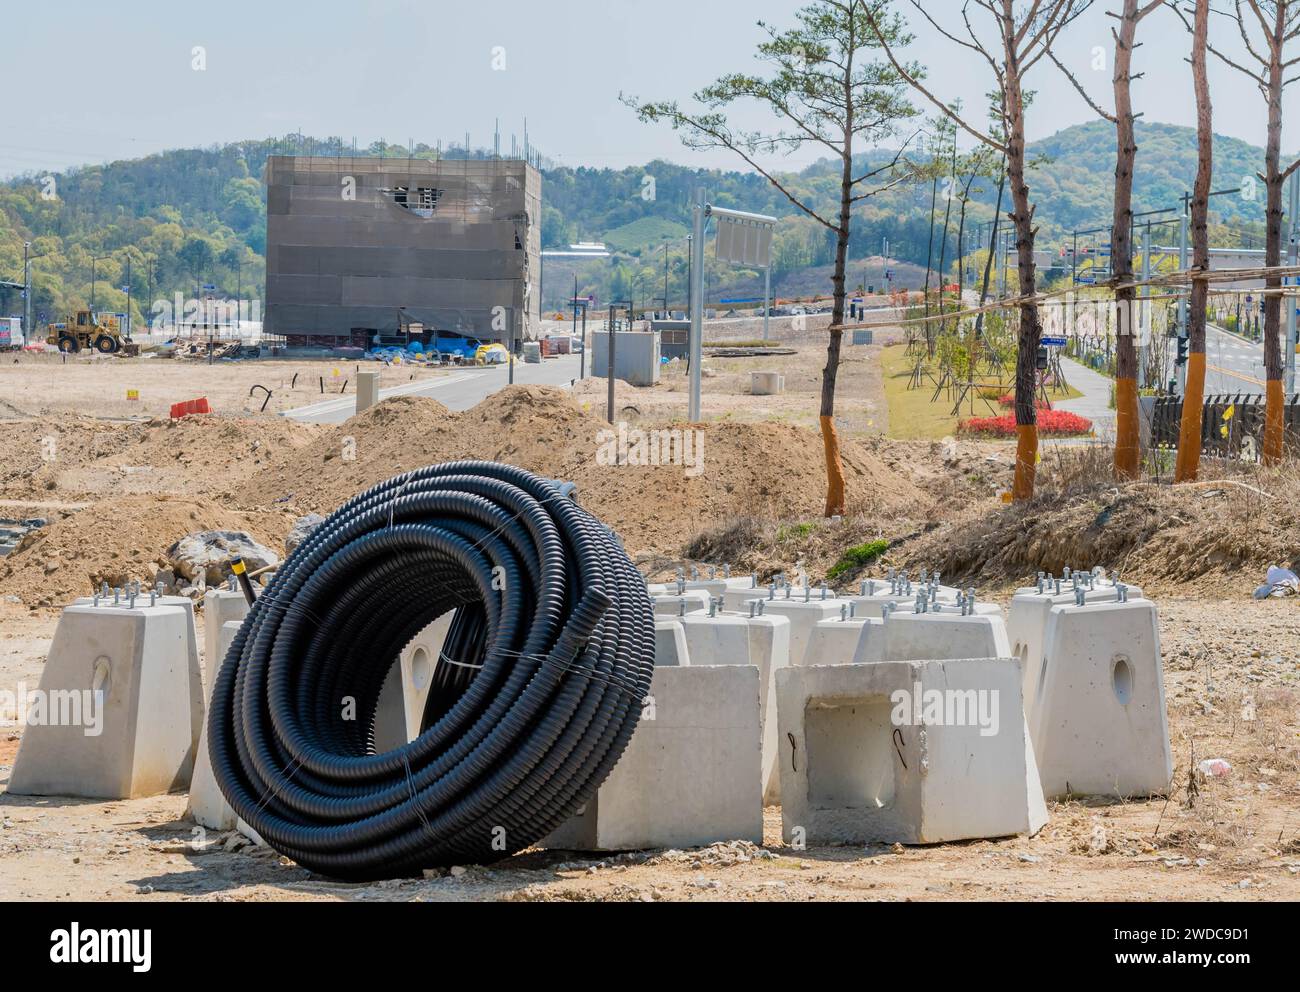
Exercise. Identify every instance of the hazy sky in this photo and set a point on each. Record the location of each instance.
(89, 81)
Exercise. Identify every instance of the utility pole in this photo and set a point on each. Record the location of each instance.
(1184, 216)
(1288, 374)
(27, 293)
(697, 309)
(767, 300)
(128, 296)
(665, 280)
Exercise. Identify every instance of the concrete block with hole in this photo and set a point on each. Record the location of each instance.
(804, 615)
(1098, 719)
(905, 752)
(418, 663)
(855, 641)
(939, 636)
(691, 775)
(121, 686)
(1027, 624)
(207, 806)
(194, 664)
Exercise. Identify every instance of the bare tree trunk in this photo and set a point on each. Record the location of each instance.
(929, 252)
(1189, 441)
(835, 485)
(943, 245)
(1127, 453)
(1274, 400)
(1022, 214)
(993, 240)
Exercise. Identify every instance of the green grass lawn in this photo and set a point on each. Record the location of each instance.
(912, 416)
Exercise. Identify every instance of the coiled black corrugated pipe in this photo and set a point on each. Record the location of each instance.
(540, 687)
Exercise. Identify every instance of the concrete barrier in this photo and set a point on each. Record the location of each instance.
(1098, 718)
(126, 676)
(691, 775)
(207, 806)
(866, 759)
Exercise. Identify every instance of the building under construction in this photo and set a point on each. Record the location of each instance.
(361, 249)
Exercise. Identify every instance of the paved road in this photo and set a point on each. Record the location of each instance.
(1233, 365)
(460, 390)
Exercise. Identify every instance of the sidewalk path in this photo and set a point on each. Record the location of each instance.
(1095, 401)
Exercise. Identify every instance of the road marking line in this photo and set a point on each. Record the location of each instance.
(1236, 375)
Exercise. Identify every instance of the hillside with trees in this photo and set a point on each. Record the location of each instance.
(194, 217)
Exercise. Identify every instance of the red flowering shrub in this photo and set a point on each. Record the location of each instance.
(1051, 423)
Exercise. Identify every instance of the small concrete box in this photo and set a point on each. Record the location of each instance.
(220, 607)
(207, 806)
(766, 383)
(636, 356)
(858, 767)
(1098, 721)
(133, 666)
(691, 775)
(367, 390)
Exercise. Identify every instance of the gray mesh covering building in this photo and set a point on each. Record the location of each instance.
(360, 248)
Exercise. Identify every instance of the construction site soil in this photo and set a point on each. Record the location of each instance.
(119, 493)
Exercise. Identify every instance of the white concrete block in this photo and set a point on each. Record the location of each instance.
(855, 641)
(696, 601)
(769, 649)
(691, 775)
(418, 662)
(670, 644)
(198, 698)
(124, 685)
(220, 607)
(207, 806)
(867, 758)
(737, 600)
(804, 615)
(1098, 719)
(716, 640)
(1027, 625)
(942, 636)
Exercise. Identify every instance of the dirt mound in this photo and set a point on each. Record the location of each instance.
(770, 469)
(118, 540)
(80, 457)
(1219, 536)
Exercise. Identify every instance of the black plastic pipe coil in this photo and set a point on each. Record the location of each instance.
(540, 686)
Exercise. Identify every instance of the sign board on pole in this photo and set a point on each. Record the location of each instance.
(1054, 342)
(744, 239)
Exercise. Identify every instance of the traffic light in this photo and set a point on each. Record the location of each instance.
(1184, 344)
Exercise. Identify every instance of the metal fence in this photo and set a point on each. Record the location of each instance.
(1232, 426)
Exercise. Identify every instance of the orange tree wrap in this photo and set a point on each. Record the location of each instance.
(1127, 451)
(1026, 462)
(834, 469)
(1189, 437)
(1273, 415)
